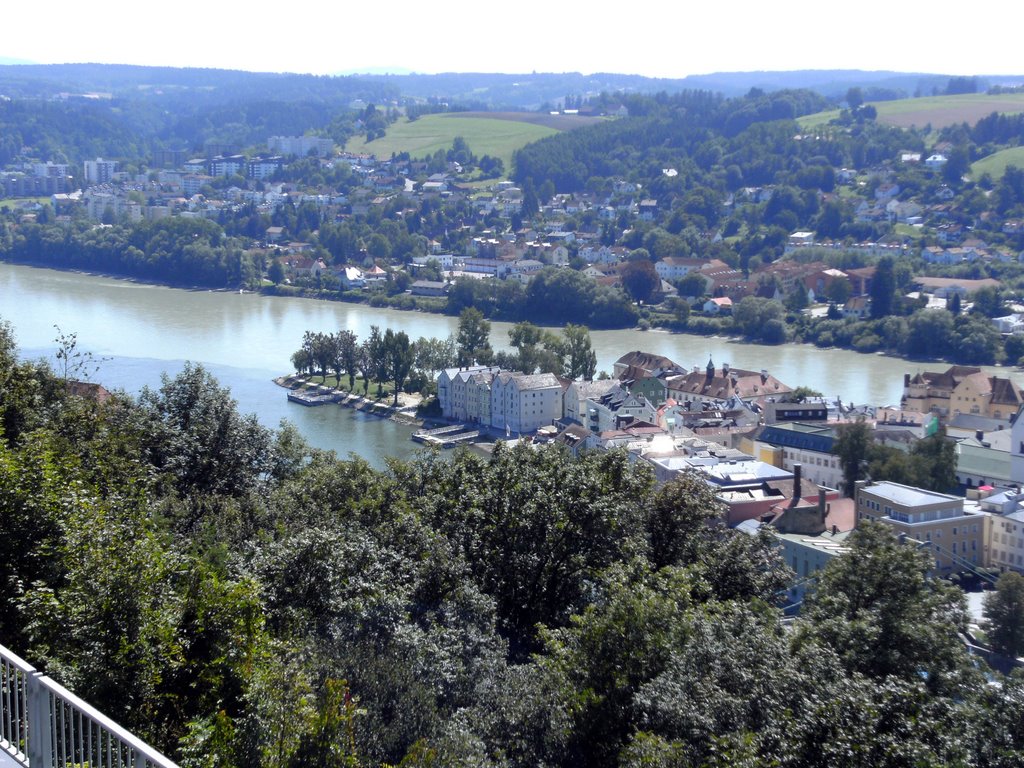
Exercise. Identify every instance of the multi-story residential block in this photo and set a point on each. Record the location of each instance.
(191, 183)
(958, 537)
(577, 395)
(809, 445)
(301, 145)
(522, 403)
(228, 166)
(51, 169)
(452, 385)
(99, 205)
(932, 390)
(996, 397)
(23, 185)
(169, 158)
(615, 408)
(677, 267)
(1006, 533)
(263, 167)
(99, 171)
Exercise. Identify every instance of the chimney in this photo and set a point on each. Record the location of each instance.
(797, 479)
(822, 509)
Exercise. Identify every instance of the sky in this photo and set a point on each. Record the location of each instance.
(671, 38)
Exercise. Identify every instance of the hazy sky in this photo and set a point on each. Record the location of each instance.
(662, 39)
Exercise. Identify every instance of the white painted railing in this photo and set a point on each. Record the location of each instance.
(43, 725)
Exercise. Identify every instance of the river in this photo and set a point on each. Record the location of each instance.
(246, 340)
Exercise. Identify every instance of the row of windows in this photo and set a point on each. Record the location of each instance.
(963, 546)
(1009, 558)
(1009, 540)
(817, 461)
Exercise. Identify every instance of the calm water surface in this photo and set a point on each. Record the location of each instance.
(247, 340)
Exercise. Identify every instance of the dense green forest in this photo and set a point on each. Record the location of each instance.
(240, 599)
(175, 250)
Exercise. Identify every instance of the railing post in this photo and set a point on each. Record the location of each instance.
(39, 737)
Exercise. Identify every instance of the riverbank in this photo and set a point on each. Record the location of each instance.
(419, 306)
(133, 279)
(404, 413)
(252, 338)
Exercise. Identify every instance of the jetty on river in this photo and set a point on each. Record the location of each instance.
(311, 398)
(448, 436)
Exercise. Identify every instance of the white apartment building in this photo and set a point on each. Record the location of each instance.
(301, 145)
(452, 386)
(523, 403)
(99, 171)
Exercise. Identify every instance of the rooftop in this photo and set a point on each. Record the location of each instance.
(908, 496)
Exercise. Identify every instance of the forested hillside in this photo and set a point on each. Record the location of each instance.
(240, 599)
(74, 112)
(702, 136)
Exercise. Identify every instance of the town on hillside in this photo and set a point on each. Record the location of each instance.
(774, 455)
(850, 234)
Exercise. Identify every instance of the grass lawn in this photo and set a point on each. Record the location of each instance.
(938, 111)
(331, 381)
(496, 137)
(817, 119)
(14, 202)
(995, 165)
(905, 230)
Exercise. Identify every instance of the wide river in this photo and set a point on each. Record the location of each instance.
(247, 340)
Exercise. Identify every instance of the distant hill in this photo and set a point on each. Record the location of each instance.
(533, 90)
(169, 83)
(375, 71)
(829, 83)
(477, 90)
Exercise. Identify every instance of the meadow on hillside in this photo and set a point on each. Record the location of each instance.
(937, 111)
(498, 134)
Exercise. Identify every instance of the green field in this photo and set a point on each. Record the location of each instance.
(995, 165)
(937, 111)
(494, 136)
(807, 122)
(17, 202)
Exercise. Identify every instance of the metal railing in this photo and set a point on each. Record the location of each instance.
(43, 725)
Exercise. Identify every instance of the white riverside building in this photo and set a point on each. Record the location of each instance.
(516, 403)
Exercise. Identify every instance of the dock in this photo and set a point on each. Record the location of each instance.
(315, 398)
(447, 437)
